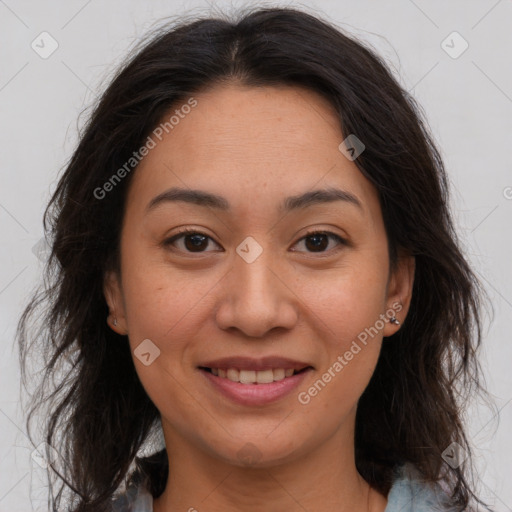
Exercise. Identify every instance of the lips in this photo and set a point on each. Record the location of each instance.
(254, 371)
(253, 376)
(256, 364)
(251, 381)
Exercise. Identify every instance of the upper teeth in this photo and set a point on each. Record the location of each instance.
(253, 377)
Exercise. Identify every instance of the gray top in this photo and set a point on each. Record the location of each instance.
(407, 494)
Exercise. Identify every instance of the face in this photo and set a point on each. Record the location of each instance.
(287, 291)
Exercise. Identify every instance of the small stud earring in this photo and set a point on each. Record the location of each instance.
(115, 322)
(394, 320)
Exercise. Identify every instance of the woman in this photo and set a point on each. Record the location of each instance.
(253, 254)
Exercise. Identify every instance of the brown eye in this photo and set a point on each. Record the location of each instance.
(193, 241)
(318, 241)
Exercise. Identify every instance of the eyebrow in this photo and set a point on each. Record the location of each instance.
(207, 199)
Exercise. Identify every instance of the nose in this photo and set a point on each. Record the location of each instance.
(257, 297)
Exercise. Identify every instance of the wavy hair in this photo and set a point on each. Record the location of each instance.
(99, 415)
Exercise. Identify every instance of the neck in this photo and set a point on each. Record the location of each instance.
(322, 479)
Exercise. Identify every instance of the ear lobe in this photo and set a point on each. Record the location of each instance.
(114, 298)
(399, 291)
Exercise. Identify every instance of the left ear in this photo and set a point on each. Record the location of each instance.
(114, 298)
(399, 291)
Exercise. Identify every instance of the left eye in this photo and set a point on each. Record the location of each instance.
(320, 240)
(195, 239)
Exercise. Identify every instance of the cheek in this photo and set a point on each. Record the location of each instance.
(161, 306)
(345, 302)
(347, 308)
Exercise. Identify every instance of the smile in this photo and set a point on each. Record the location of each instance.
(253, 376)
(254, 382)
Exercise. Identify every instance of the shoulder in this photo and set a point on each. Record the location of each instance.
(410, 493)
(133, 499)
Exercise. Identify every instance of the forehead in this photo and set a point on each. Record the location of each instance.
(257, 143)
(257, 125)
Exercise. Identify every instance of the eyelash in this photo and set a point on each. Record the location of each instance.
(189, 231)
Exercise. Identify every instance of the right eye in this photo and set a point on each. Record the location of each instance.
(193, 241)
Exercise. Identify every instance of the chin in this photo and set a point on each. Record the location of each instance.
(260, 452)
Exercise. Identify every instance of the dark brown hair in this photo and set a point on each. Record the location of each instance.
(412, 408)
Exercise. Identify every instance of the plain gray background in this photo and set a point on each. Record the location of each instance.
(467, 100)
